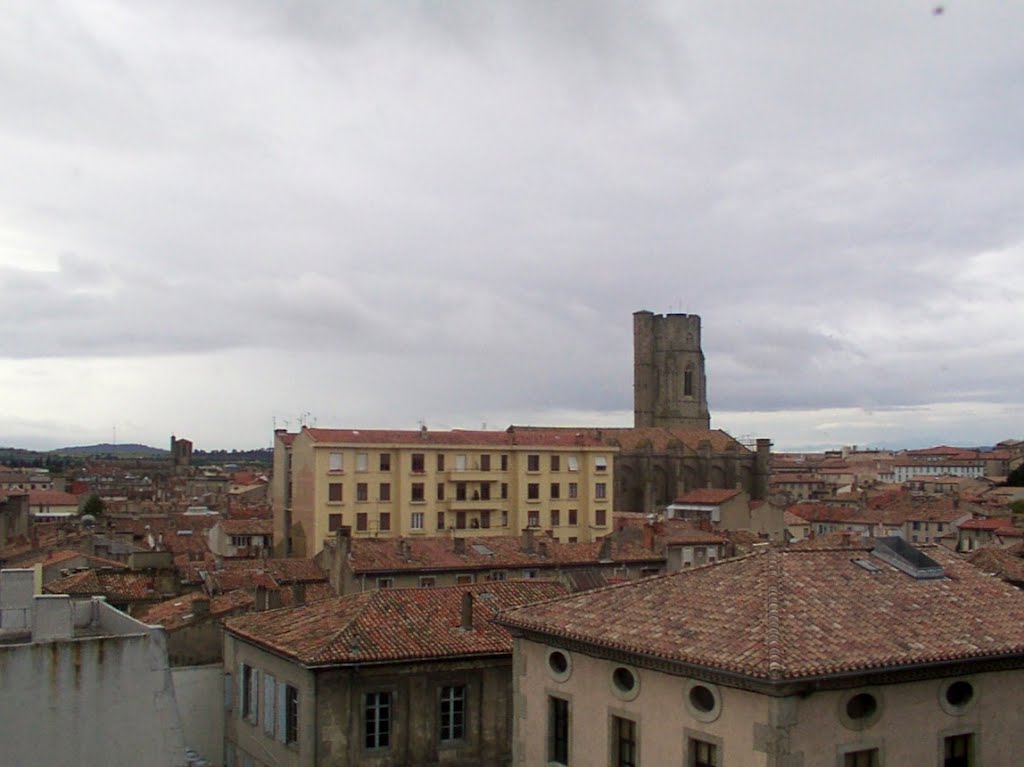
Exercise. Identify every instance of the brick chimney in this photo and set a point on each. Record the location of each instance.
(460, 545)
(466, 622)
(604, 554)
(527, 544)
(649, 536)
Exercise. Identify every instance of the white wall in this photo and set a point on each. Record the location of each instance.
(102, 700)
(199, 691)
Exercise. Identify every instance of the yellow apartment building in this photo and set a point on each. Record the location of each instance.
(389, 483)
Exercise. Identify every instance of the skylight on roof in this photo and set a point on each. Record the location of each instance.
(901, 555)
(479, 548)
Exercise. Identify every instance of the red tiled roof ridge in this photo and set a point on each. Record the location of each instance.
(773, 633)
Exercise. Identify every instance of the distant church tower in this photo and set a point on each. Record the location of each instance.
(669, 388)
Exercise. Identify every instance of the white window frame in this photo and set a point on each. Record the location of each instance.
(416, 520)
(336, 462)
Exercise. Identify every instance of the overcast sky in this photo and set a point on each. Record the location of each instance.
(218, 216)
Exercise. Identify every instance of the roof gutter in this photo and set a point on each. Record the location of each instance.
(782, 687)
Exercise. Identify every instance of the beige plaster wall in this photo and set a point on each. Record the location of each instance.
(755, 730)
(249, 736)
(663, 719)
(912, 722)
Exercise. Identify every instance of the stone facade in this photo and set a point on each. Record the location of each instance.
(669, 386)
(652, 472)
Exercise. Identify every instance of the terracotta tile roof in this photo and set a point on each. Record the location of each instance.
(837, 539)
(993, 524)
(1003, 563)
(47, 558)
(887, 510)
(657, 439)
(514, 436)
(117, 587)
(667, 531)
(285, 570)
(224, 581)
(248, 526)
(791, 614)
(392, 624)
(796, 479)
(314, 592)
(792, 519)
(178, 612)
(370, 555)
(943, 450)
(820, 512)
(707, 496)
(51, 498)
(677, 535)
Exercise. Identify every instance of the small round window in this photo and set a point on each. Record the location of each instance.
(956, 697)
(959, 693)
(861, 706)
(703, 701)
(859, 710)
(559, 665)
(702, 698)
(625, 682)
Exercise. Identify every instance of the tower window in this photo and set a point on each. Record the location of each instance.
(688, 383)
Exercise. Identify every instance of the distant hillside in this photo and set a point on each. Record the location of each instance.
(120, 451)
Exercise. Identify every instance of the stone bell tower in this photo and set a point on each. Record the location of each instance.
(669, 388)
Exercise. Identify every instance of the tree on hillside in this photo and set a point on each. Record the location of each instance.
(94, 505)
(1016, 477)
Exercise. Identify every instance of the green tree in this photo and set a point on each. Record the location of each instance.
(1016, 477)
(94, 505)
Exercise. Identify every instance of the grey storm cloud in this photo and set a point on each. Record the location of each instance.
(379, 210)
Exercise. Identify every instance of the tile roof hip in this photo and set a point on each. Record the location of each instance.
(787, 615)
(392, 624)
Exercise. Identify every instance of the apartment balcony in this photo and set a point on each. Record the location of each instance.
(472, 475)
(475, 504)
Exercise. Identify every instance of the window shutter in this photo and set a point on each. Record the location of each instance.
(229, 693)
(241, 689)
(282, 713)
(254, 692)
(269, 692)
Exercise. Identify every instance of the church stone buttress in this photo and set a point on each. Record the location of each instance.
(669, 387)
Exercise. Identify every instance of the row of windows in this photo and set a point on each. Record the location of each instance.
(279, 703)
(482, 462)
(379, 717)
(464, 491)
(429, 581)
(958, 750)
(624, 741)
(462, 520)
